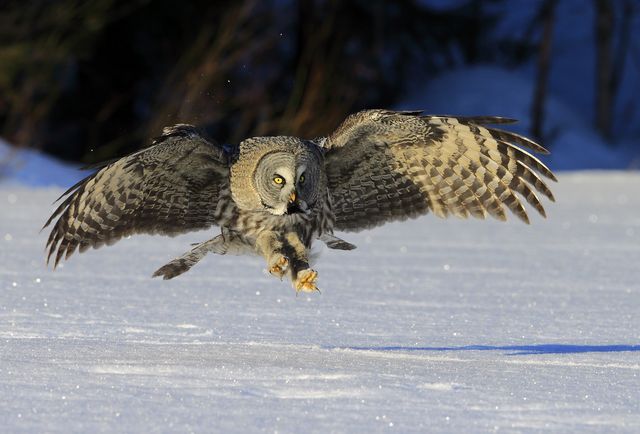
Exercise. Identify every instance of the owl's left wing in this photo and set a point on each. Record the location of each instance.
(383, 165)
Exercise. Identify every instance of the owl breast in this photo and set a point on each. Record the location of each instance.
(251, 223)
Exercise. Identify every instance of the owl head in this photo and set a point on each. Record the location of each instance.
(279, 175)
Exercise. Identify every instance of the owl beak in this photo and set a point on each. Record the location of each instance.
(294, 204)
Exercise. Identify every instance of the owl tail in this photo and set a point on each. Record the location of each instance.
(184, 263)
(223, 244)
(334, 242)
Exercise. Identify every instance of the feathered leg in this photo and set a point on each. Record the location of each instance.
(270, 246)
(287, 255)
(302, 277)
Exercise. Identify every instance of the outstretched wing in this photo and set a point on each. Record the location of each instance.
(169, 188)
(383, 165)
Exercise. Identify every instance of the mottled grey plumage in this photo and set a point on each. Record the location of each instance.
(275, 195)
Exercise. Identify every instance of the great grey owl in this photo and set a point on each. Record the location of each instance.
(275, 196)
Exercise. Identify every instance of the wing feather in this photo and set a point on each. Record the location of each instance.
(412, 163)
(169, 188)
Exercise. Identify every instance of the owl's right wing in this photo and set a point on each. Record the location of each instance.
(168, 188)
(383, 165)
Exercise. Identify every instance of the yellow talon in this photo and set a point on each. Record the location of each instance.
(280, 266)
(306, 281)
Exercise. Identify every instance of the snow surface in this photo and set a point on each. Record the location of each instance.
(31, 167)
(430, 325)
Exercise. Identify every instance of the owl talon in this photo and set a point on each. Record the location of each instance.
(306, 281)
(279, 267)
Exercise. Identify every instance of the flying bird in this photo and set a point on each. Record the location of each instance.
(275, 196)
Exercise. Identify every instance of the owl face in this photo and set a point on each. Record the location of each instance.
(286, 182)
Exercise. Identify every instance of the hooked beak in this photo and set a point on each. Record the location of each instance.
(294, 205)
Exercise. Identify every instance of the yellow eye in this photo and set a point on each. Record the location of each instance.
(301, 181)
(278, 180)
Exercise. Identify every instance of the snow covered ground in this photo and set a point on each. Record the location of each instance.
(430, 325)
(34, 168)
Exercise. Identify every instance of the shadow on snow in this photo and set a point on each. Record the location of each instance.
(513, 350)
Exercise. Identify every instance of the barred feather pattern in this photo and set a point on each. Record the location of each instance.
(384, 166)
(250, 224)
(169, 188)
(378, 166)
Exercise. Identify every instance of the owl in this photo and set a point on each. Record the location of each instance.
(275, 196)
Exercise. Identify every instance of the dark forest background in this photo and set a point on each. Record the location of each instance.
(90, 80)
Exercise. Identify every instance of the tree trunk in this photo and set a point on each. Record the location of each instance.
(604, 66)
(547, 15)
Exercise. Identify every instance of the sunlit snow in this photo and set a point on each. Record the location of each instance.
(430, 325)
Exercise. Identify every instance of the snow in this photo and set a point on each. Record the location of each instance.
(430, 325)
(31, 167)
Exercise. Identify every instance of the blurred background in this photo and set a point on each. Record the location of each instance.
(85, 81)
